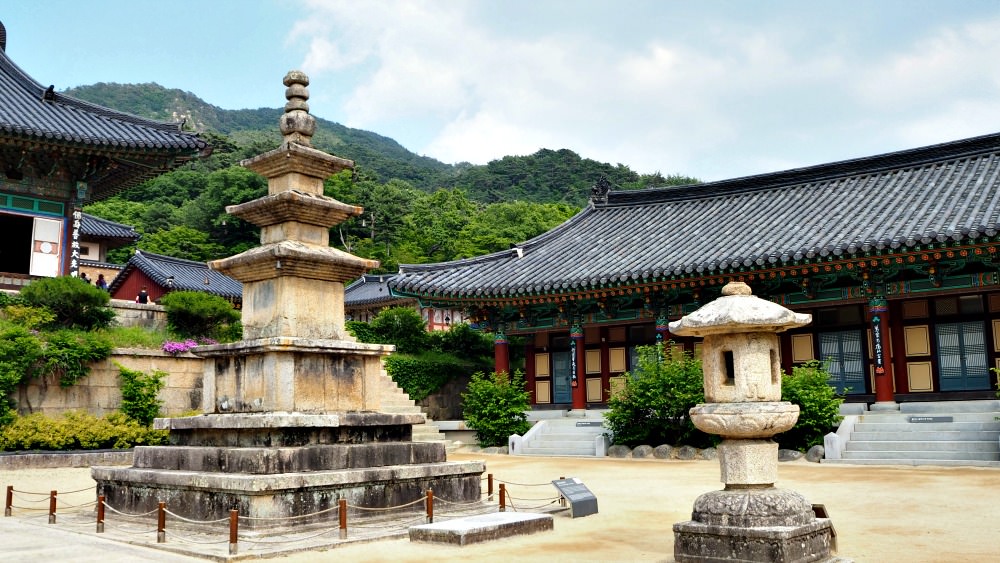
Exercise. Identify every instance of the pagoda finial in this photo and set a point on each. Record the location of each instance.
(296, 124)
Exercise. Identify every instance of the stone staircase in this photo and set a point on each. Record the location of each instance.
(567, 436)
(396, 401)
(932, 433)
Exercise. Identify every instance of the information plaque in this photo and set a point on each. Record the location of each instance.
(582, 502)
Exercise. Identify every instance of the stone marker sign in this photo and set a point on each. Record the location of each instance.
(582, 502)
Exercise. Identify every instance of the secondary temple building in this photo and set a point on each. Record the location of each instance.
(894, 255)
(58, 153)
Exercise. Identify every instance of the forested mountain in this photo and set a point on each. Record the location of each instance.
(417, 209)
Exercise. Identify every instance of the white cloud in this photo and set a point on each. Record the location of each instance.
(723, 99)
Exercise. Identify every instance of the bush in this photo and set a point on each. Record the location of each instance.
(70, 353)
(463, 341)
(139, 394)
(193, 314)
(77, 431)
(74, 302)
(362, 331)
(653, 406)
(496, 406)
(808, 386)
(20, 353)
(402, 327)
(423, 374)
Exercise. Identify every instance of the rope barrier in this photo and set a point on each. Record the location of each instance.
(377, 509)
(296, 539)
(524, 484)
(90, 488)
(112, 509)
(46, 499)
(30, 492)
(66, 505)
(279, 518)
(509, 496)
(128, 530)
(189, 521)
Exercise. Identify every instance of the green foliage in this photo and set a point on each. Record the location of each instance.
(422, 374)
(463, 341)
(139, 394)
(403, 327)
(652, 408)
(74, 302)
(182, 242)
(29, 317)
(193, 314)
(20, 352)
(808, 386)
(135, 337)
(496, 406)
(77, 431)
(362, 331)
(502, 224)
(69, 354)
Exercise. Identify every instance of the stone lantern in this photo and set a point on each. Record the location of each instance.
(749, 520)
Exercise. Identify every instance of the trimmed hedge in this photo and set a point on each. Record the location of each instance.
(422, 374)
(77, 431)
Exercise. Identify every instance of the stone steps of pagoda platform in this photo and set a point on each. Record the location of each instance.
(395, 401)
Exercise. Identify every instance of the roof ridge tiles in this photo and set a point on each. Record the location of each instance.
(892, 161)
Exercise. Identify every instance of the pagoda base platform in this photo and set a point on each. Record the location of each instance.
(283, 465)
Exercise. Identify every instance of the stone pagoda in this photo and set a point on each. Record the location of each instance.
(749, 520)
(291, 415)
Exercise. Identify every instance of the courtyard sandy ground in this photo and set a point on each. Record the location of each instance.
(880, 513)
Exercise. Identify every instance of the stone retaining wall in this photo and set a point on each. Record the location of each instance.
(99, 393)
(149, 315)
(39, 460)
(446, 402)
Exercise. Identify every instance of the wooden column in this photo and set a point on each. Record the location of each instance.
(579, 356)
(529, 366)
(501, 356)
(605, 365)
(878, 310)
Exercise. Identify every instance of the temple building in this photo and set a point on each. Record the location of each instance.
(369, 295)
(58, 153)
(894, 255)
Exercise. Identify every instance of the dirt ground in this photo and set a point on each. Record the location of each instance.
(880, 513)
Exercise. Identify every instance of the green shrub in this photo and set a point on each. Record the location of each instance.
(463, 341)
(76, 431)
(362, 331)
(652, 408)
(402, 327)
(20, 354)
(422, 374)
(70, 353)
(139, 394)
(74, 302)
(193, 314)
(496, 406)
(135, 337)
(29, 317)
(808, 386)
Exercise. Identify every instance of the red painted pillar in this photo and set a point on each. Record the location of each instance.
(529, 366)
(501, 356)
(878, 309)
(578, 360)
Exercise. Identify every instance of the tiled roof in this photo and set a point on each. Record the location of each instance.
(92, 226)
(946, 192)
(187, 275)
(33, 113)
(368, 290)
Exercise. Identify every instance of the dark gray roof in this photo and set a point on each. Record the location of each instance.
(33, 113)
(369, 289)
(92, 226)
(896, 201)
(187, 275)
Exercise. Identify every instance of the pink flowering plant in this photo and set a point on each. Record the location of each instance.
(174, 348)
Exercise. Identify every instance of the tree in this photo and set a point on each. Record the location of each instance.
(496, 406)
(501, 224)
(431, 229)
(183, 242)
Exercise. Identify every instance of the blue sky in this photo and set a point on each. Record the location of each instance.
(712, 89)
